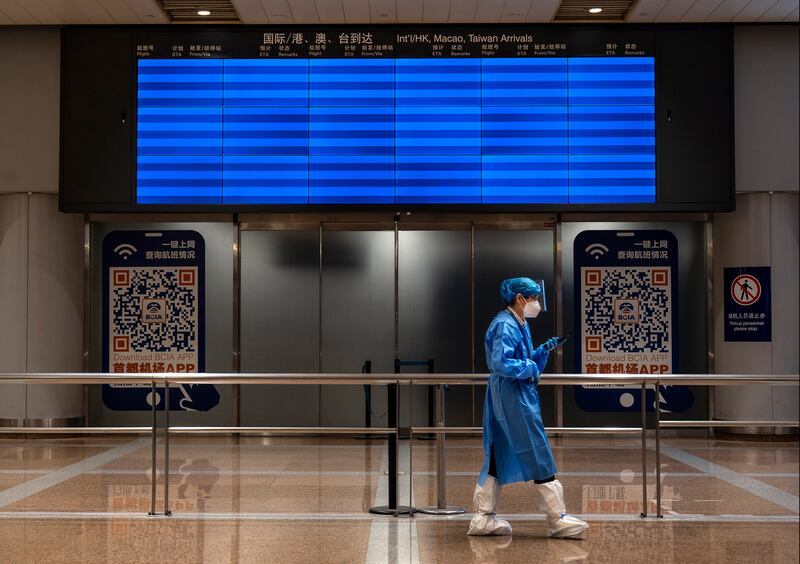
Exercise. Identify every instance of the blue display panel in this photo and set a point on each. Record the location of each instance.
(560, 130)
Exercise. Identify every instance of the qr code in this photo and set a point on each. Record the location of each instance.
(627, 309)
(154, 309)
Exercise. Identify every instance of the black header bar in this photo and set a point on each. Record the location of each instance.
(386, 41)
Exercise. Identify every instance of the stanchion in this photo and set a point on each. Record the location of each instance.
(658, 450)
(153, 440)
(441, 507)
(394, 421)
(644, 449)
(366, 368)
(166, 448)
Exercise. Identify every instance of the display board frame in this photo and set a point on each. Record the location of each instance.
(661, 204)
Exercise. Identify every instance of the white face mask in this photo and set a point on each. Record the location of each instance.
(532, 309)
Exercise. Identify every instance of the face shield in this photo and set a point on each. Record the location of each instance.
(542, 297)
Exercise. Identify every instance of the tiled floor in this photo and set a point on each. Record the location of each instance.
(306, 500)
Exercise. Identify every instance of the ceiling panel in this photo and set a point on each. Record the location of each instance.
(383, 11)
(645, 10)
(514, 11)
(277, 11)
(435, 11)
(578, 10)
(250, 11)
(726, 10)
(42, 12)
(330, 11)
(183, 11)
(753, 10)
(66, 10)
(542, 10)
(94, 12)
(17, 13)
(674, 10)
(462, 11)
(356, 10)
(120, 11)
(55, 12)
(489, 11)
(410, 11)
(148, 11)
(304, 11)
(700, 10)
(779, 10)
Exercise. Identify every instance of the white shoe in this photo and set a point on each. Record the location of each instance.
(485, 500)
(561, 525)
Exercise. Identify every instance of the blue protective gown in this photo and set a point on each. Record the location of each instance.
(512, 419)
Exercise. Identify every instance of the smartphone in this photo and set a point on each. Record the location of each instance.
(561, 341)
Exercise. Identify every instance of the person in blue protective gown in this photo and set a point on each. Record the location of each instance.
(514, 441)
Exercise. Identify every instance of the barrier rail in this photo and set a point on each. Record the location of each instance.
(733, 380)
(164, 380)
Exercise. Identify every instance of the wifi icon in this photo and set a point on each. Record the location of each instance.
(596, 250)
(125, 250)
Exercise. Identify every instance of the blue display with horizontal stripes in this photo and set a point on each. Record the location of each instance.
(568, 130)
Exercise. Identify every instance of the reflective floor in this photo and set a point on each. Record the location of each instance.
(306, 500)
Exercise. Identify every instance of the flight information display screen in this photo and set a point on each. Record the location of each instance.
(503, 125)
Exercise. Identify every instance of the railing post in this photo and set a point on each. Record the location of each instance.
(658, 450)
(166, 447)
(153, 440)
(644, 448)
(367, 369)
(441, 507)
(394, 450)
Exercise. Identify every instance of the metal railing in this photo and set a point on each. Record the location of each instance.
(643, 382)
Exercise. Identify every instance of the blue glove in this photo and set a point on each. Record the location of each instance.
(542, 352)
(539, 357)
(536, 373)
(550, 343)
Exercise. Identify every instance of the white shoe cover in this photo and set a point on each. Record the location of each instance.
(482, 525)
(561, 525)
(485, 500)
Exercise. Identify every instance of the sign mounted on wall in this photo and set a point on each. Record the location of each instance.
(748, 303)
(626, 316)
(153, 316)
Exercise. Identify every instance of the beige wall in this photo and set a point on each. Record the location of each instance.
(13, 300)
(763, 231)
(41, 297)
(41, 250)
(29, 109)
(766, 75)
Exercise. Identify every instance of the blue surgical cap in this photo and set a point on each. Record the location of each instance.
(512, 286)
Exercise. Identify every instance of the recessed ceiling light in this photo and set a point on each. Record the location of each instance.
(203, 13)
(595, 10)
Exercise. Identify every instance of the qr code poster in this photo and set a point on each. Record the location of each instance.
(626, 297)
(153, 316)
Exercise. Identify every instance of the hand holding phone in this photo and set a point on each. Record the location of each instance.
(555, 342)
